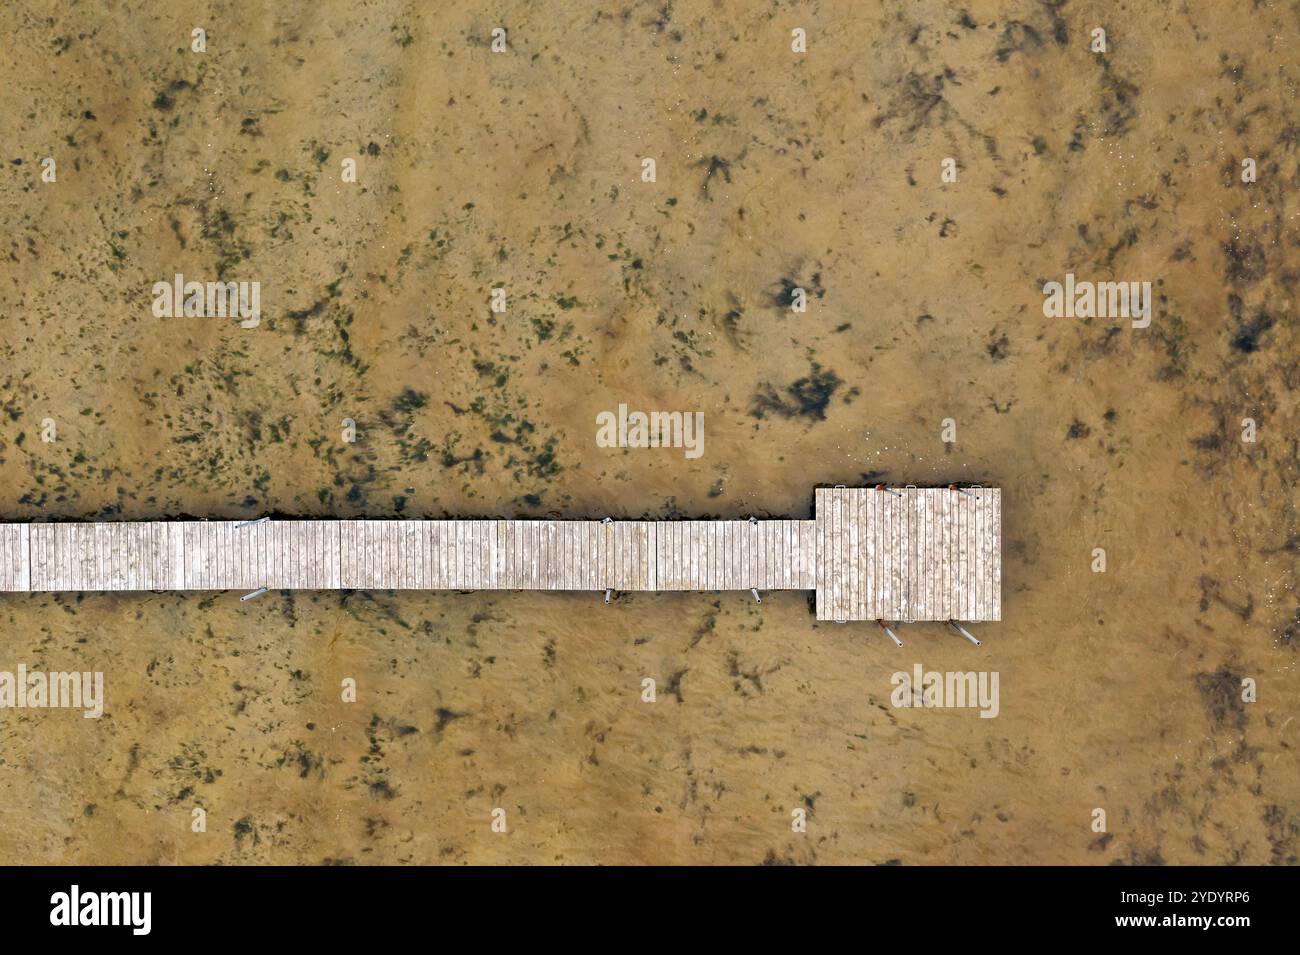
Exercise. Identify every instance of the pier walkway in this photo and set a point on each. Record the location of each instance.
(887, 553)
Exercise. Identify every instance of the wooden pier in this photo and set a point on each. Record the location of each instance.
(888, 553)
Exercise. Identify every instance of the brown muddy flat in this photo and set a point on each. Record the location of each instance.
(1120, 691)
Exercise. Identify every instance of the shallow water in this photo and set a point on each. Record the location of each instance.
(521, 170)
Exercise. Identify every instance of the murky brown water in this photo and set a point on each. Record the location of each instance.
(1119, 691)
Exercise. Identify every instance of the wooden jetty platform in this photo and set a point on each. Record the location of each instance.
(869, 553)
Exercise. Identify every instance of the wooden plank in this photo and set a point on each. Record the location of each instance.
(536, 555)
(355, 561)
(504, 556)
(293, 546)
(537, 572)
(976, 594)
(38, 540)
(718, 565)
(134, 546)
(681, 568)
(556, 558)
(695, 549)
(717, 559)
(618, 549)
(822, 565)
(884, 532)
(105, 532)
(686, 557)
(632, 555)
(466, 555)
(798, 555)
(840, 544)
(857, 546)
(704, 539)
(555, 555)
(346, 550)
(648, 539)
(467, 540)
(942, 542)
(115, 557)
(730, 565)
(663, 545)
(102, 565)
(323, 563)
(703, 555)
(518, 555)
(972, 557)
(299, 560)
(219, 559)
(794, 542)
(92, 541)
(438, 545)
(72, 559)
(523, 554)
(772, 554)
(472, 545)
(984, 606)
(636, 549)
(569, 569)
(700, 547)
(748, 555)
(581, 557)
(779, 554)
(915, 553)
(849, 567)
(995, 557)
(515, 542)
(775, 553)
(26, 580)
(766, 567)
(307, 562)
(834, 555)
(313, 567)
(498, 554)
(152, 541)
(740, 551)
(308, 555)
(564, 555)
(10, 558)
(519, 576)
(869, 581)
(767, 564)
(960, 591)
(539, 564)
(47, 555)
(82, 556)
(125, 559)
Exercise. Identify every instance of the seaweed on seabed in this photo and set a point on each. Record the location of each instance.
(807, 398)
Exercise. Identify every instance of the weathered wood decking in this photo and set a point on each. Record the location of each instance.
(905, 554)
(909, 554)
